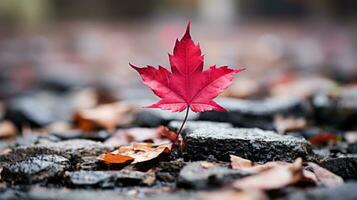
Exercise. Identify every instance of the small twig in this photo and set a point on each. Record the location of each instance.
(183, 123)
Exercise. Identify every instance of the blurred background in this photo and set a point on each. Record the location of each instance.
(64, 43)
(290, 47)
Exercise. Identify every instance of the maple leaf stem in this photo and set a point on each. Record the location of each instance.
(183, 123)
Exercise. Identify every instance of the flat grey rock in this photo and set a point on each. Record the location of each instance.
(35, 169)
(346, 191)
(342, 106)
(175, 125)
(254, 144)
(76, 151)
(345, 166)
(40, 193)
(109, 179)
(69, 148)
(201, 175)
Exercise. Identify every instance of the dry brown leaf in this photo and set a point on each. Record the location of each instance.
(325, 176)
(106, 116)
(110, 158)
(233, 195)
(143, 152)
(251, 167)
(167, 133)
(126, 136)
(7, 129)
(266, 166)
(309, 176)
(286, 124)
(324, 138)
(274, 178)
(240, 163)
(317, 175)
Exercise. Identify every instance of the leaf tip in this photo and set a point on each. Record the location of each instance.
(240, 69)
(187, 33)
(133, 66)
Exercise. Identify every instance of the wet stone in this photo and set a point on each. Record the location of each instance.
(109, 179)
(256, 113)
(39, 109)
(342, 106)
(88, 163)
(189, 195)
(27, 140)
(201, 175)
(35, 169)
(254, 144)
(175, 125)
(40, 193)
(346, 191)
(352, 148)
(345, 166)
(102, 179)
(100, 136)
(168, 171)
(76, 148)
(76, 151)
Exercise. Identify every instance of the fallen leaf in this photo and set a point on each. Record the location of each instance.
(324, 176)
(110, 158)
(141, 152)
(187, 85)
(323, 138)
(251, 167)
(288, 124)
(233, 195)
(7, 130)
(106, 116)
(126, 136)
(274, 178)
(240, 163)
(311, 173)
(167, 133)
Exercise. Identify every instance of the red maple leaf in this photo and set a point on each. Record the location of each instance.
(187, 86)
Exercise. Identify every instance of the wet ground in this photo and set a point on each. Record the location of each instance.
(287, 135)
(54, 159)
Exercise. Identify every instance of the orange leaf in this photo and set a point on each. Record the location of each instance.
(110, 158)
(142, 152)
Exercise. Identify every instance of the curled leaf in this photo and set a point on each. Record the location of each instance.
(324, 176)
(106, 116)
(167, 133)
(274, 178)
(240, 163)
(137, 153)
